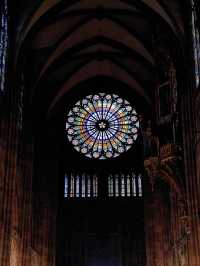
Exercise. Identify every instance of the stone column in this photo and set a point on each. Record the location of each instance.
(8, 173)
(191, 177)
(156, 227)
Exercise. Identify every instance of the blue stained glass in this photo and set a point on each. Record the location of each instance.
(102, 126)
(196, 44)
(3, 42)
(77, 186)
(116, 186)
(88, 187)
(83, 186)
(66, 186)
(134, 185)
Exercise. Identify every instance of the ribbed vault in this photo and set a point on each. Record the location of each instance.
(68, 42)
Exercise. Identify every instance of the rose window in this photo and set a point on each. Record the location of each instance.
(102, 126)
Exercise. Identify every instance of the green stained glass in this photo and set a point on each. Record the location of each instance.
(102, 126)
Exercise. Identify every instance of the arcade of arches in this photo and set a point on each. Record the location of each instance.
(99, 133)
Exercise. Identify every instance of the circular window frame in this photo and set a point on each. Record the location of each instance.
(93, 132)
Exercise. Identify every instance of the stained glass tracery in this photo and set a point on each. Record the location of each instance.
(196, 44)
(102, 126)
(3, 42)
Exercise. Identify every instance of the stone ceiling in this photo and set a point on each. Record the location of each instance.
(63, 43)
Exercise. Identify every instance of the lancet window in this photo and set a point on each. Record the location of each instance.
(3, 42)
(196, 44)
(118, 185)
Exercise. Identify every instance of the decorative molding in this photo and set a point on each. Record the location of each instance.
(166, 166)
(152, 165)
(170, 152)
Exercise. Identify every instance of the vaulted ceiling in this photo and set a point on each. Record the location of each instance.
(64, 43)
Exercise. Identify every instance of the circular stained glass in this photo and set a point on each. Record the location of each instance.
(102, 126)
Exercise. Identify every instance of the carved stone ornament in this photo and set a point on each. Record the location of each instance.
(166, 166)
(152, 167)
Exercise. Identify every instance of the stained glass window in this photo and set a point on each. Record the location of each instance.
(3, 42)
(196, 44)
(118, 186)
(125, 185)
(102, 126)
(81, 186)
